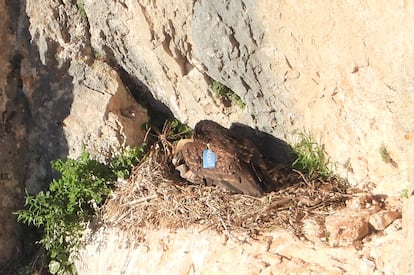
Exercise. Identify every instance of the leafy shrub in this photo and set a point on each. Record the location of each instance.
(71, 201)
(310, 157)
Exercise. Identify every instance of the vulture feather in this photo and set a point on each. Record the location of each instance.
(239, 165)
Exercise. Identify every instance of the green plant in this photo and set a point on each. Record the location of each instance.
(385, 155)
(310, 157)
(122, 164)
(81, 8)
(404, 193)
(62, 212)
(225, 93)
(178, 130)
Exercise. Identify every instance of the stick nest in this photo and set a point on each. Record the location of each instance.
(156, 197)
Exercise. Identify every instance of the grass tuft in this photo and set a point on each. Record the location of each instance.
(311, 158)
(386, 157)
(81, 8)
(404, 193)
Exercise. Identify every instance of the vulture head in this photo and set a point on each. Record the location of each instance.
(180, 155)
(177, 154)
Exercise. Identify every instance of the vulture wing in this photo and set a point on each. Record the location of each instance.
(239, 146)
(229, 172)
(207, 131)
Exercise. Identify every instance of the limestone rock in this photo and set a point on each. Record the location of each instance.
(198, 251)
(53, 99)
(106, 127)
(346, 227)
(381, 219)
(385, 251)
(368, 202)
(313, 229)
(406, 264)
(74, 99)
(14, 118)
(394, 227)
(290, 73)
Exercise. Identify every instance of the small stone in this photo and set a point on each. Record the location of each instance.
(367, 266)
(346, 227)
(393, 227)
(365, 201)
(383, 218)
(312, 229)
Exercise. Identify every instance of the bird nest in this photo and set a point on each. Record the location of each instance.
(156, 197)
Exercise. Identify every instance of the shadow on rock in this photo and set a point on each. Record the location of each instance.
(271, 148)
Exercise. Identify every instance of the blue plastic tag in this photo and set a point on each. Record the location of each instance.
(209, 159)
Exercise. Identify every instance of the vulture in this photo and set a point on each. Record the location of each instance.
(219, 156)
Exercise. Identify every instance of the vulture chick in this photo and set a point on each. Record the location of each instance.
(238, 167)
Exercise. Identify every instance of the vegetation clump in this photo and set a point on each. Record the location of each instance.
(81, 8)
(175, 130)
(226, 94)
(386, 156)
(404, 193)
(62, 212)
(311, 158)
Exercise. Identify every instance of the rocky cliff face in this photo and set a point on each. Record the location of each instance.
(13, 127)
(54, 98)
(343, 71)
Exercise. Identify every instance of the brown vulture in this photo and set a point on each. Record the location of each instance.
(238, 164)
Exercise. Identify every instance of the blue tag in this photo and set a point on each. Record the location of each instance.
(209, 159)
